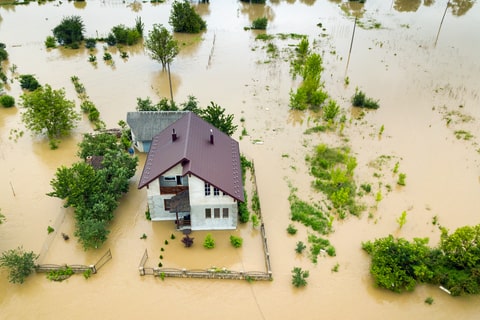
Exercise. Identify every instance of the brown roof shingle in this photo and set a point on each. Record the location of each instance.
(217, 163)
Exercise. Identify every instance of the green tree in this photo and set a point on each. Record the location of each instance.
(94, 192)
(462, 248)
(183, 18)
(398, 264)
(299, 277)
(28, 82)
(7, 101)
(20, 264)
(215, 115)
(92, 233)
(161, 45)
(48, 111)
(69, 31)
(97, 144)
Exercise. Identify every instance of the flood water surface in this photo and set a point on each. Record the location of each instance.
(423, 71)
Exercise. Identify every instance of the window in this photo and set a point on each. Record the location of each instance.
(207, 188)
(225, 213)
(216, 213)
(216, 192)
(169, 178)
(179, 180)
(166, 204)
(208, 213)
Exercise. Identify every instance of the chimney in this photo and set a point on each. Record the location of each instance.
(211, 136)
(174, 135)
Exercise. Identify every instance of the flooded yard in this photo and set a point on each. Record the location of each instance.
(419, 59)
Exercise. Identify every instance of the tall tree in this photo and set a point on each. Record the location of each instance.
(47, 111)
(161, 45)
(70, 30)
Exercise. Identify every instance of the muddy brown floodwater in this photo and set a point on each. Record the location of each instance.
(421, 72)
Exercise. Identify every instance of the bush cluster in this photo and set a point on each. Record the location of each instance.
(7, 101)
(360, 100)
(94, 192)
(183, 18)
(398, 264)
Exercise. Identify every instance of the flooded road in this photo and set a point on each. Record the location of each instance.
(422, 73)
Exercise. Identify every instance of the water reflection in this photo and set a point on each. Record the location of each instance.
(460, 7)
(202, 9)
(255, 11)
(407, 5)
(80, 4)
(353, 8)
(136, 6)
(161, 84)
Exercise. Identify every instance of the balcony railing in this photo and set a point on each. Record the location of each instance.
(172, 190)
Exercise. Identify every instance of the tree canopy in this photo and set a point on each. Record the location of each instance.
(20, 264)
(161, 45)
(48, 112)
(398, 264)
(69, 31)
(215, 115)
(94, 192)
(183, 18)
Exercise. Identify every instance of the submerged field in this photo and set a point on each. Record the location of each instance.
(420, 66)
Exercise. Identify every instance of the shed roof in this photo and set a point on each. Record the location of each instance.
(146, 124)
(217, 163)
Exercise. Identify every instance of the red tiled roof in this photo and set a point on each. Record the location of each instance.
(217, 163)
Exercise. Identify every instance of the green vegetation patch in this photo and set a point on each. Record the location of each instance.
(398, 264)
(333, 169)
(309, 215)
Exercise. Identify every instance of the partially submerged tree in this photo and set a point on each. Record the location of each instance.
(94, 192)
(20, 264)
(48, 112)
(29, 82)
(69, 31)
(183, 18)
(161, 45)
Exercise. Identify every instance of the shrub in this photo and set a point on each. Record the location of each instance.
(60, 274)
(28, 82)
(87, 273)
(3, 52)
(331, 111)
(50, 42)
(243, 213)
(236, 241)
(69, 31)
(209, 242)
(291, 229)
(300, 247)
(183, 18)
(90, 43)
(260, 23)
(50, 229)
(92, 58)
(7, 101)
(20, 264)
(187, 241)
(401, 179)
(124, 35)
(360, 100)
(299, 277)
(255, 220)
(107, 56)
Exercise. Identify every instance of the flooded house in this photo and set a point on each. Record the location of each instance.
(193, 176)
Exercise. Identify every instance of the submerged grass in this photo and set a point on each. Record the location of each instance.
(333, 169)
(310, 215)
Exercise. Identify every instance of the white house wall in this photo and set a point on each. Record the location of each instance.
(198, 203)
